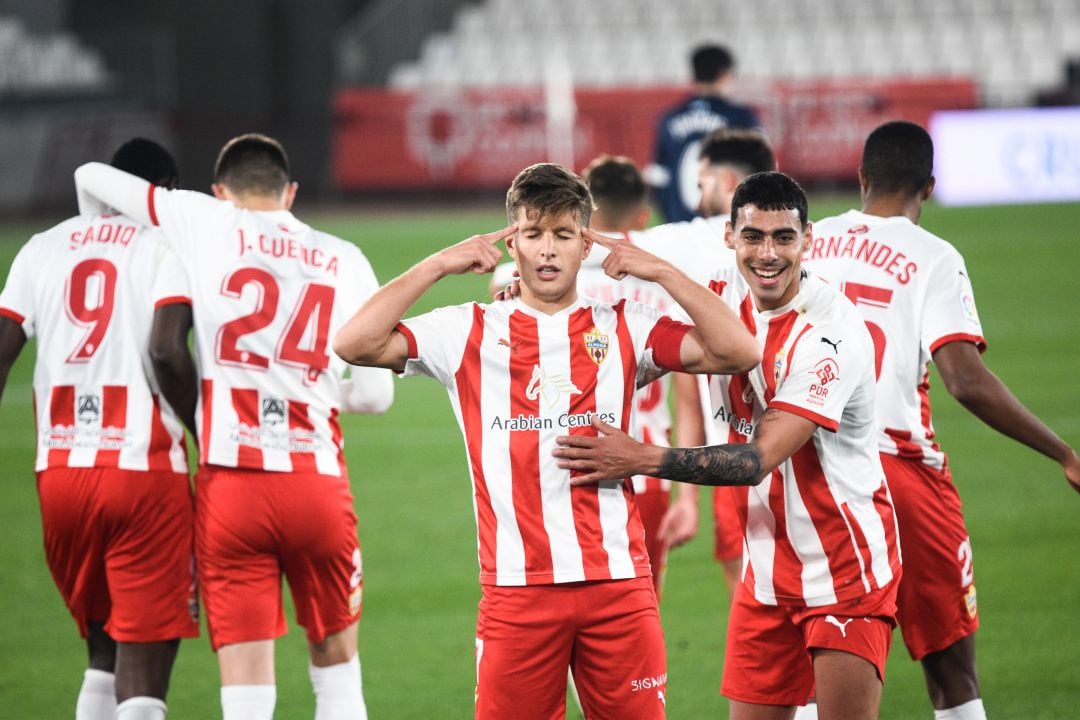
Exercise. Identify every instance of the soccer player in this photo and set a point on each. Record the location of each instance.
(817, 601)
(564, 572)
(681, 128)
(915, 295)
(272, 493)
(116, 507)
(697, 247)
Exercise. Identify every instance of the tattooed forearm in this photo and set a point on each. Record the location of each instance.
(735, 464)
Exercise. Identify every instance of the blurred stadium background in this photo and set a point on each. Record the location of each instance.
(406, 119)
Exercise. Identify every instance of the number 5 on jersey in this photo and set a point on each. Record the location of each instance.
(309, 319)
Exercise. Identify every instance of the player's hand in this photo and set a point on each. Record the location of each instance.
(680, 523)
(1072, 470)
(624, 258)
(611, 455)
(511, 291)
(478, 254)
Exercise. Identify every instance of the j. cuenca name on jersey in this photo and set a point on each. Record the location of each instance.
(288, 248)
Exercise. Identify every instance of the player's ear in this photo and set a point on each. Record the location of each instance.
(586, 246)
(288, 197)
(511, 246)
(863, 185)
(641, 220)
(929, 189)
(729, 235)
(808, 237)
(219, 191)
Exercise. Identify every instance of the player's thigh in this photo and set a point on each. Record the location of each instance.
(149, 558)
(74, 539)
(936, 599)
(237, 556)
(320, 555)
(619, 660)
(765, 658)
(847, 686)
(524, 637)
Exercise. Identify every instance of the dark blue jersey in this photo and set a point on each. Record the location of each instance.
(678, 140)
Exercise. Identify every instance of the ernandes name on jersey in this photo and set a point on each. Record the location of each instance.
(566, 420)
(740, 425)
(290, 249)
(866, 250)
(105, 233)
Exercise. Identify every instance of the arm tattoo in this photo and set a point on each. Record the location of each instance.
(733, 464)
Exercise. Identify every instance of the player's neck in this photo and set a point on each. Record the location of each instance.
(548, 306)
(893, 205)
(258, 203)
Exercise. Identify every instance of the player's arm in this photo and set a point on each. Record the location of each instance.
(12, 339)
(171, 359)
(614, 455)
(986, 397)
(682, 519)
(368, 390)
(718, 342)
(100, 187)
(370, 337)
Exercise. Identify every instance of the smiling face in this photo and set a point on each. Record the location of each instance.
(548, 250)
(768, 246)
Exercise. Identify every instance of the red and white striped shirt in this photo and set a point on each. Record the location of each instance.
(517, 379)
(87, 289)
(268, 294)
(914, 293)
(820, 528)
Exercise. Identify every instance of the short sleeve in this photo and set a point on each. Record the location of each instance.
(171, 284)
(437, 340)
(17, 298)
(824, 369)
(949, 313)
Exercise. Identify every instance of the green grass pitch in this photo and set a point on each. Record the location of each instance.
(416, 526)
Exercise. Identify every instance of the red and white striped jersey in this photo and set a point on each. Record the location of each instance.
(914, 293)
(518, 378)
(87, 289)
(819, 529)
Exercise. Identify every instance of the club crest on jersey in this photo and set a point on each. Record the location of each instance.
(550, 387)
(273, 410)
(778, 369)
(89, 408)
(969, 601)
(597, 344)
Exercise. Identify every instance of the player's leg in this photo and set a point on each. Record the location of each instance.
(152, 586)
(848, 686)
(727, 536)
(767, 671)
(321, 559)
(75, 553)
(524, 637)
(237, 559)
(619, 660)
(936, 602)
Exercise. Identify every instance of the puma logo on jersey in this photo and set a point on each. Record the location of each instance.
(835, 345)
(550, 387)
(831, 619)
(512, 345)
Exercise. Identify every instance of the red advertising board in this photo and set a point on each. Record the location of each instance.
(474, 138)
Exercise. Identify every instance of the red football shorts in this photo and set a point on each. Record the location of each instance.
(727, 527)
(250, 527)
(118, 544)
(652, 506)
(936, 601)
(608, 633)
(768, 657)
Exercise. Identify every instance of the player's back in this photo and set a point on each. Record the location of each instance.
(87, 290)
(696, 247)
(913, 291)
(268, 293)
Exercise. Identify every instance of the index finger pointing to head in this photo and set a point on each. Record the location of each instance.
(494, 237)
(601, 240)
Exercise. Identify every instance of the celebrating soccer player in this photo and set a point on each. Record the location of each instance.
(913, 290)
(272, 492)
(564, 570)
(817, 602)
